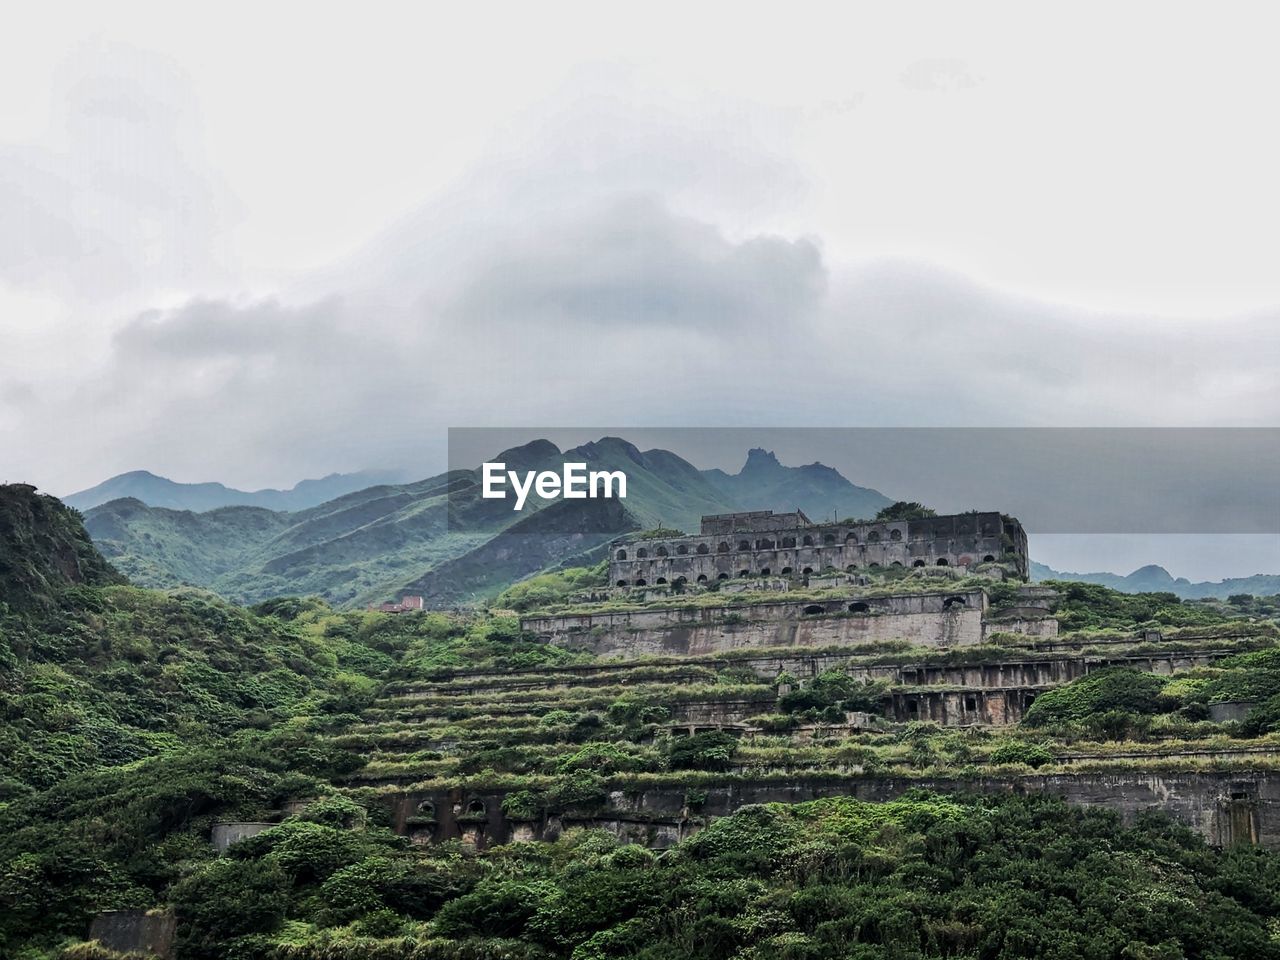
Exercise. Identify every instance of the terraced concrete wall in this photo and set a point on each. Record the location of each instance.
(929, 620)
(1225, 808)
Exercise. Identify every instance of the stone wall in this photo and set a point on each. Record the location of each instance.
(758, 546)
(225, 834)
(943, 619)
(146, 932)
(1224, 807)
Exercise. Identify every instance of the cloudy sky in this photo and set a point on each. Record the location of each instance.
(256, 243)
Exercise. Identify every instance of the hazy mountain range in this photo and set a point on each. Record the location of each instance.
(437, 536)
(159, 492)
(1156, 579)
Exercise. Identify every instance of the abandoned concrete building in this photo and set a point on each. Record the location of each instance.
(764, 543)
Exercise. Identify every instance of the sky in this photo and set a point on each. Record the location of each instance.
(256, 243)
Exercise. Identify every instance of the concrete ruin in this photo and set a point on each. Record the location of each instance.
(942, 619)
(1226, 808)
(764, 544)
(143, 933)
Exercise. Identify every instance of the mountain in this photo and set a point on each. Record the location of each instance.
(820, 491)
(1156, 579)
(44, 548)
(438, 536)
(157, 491)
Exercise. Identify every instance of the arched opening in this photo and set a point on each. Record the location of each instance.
(829, 538)
(850, 537)
(681, 550)
(642, 553)
(622, 554)
(703, 548)
(744, 545)
(808, 541)
(662, 551)
(807, 570)
(475, 808)
(680, 581)
(786, 571)
(850, 568)
(722, 576)
(873, 565)
(828, 568)
(896, 563)
(744, 573)
(622, 583)
(661, 580)
(723, 548)
(427, 810)
(859, 607)
(814, 609)
(988, 559)
(764, 571)
(642, 582)
(895, 534)
(918, 563)
(788, 542)
(702, 578)
(765, 544)
(950, 602)
(942, 562)
(873, 536)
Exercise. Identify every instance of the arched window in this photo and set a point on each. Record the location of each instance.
(475, 808)
(622, 554)
(681, 550)
(702, 578)
(764, 572)
(642, 553)
(873, 565)
(662, 551)
(723, 548)
(660, 581)
(765, 544)
(808, 541)
(642, 582)
(622, 583)
(786, 571)
(896, 563)
(988, 559)
(918, 563)
(744, 573)
(858, 607)
(813, 609)
(427, 809)
(873, 536)
(788, 542)
(703, 548)
(744, 545)
(680, 581)
(895, 534)
(942, 562)
(950, 602)
(722, 576)
(807, 570)
(850, 537)
(851, 567)
(829, 538)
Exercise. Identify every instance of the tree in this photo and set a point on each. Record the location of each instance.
(906, 510)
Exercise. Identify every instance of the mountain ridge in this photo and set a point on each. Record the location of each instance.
(158, 491)
(433, 534)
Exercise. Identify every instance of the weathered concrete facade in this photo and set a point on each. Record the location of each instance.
(136, 932)
(766, 544)
(927, 619)
(1225, 808)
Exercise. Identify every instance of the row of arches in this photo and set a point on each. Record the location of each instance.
(763, 543)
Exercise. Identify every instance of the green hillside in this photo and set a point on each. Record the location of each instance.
(133, 721)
